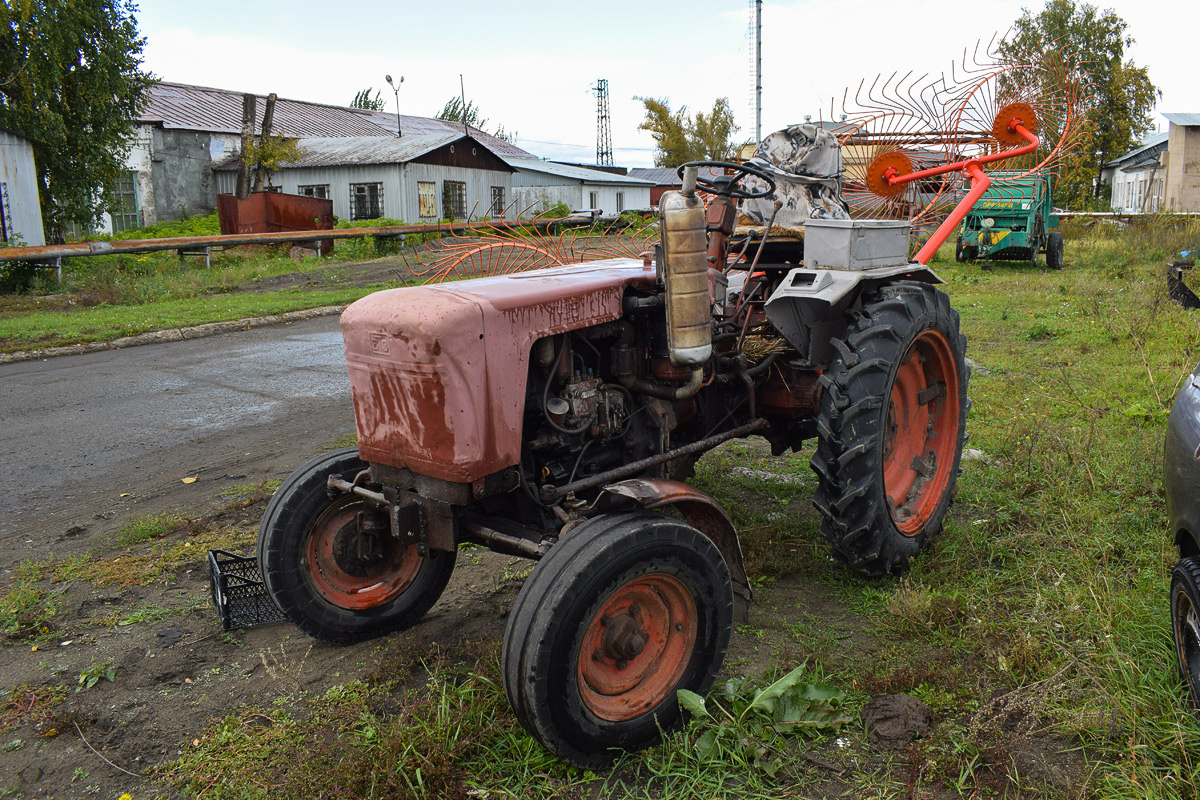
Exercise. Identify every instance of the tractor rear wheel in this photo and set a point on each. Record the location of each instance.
(620, 614)
(1054, 251)
(330, 563)
(891, 428)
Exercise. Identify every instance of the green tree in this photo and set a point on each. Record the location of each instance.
(364, 100)
(455, 111)
(679, 138)
(1124, 94)
(71, 82)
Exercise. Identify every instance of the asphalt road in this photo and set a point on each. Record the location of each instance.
(105, 435)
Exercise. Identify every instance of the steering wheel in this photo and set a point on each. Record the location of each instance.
(729, 186)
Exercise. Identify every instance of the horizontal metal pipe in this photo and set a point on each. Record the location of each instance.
(52, 251)
(959, 166)
(345, 486)
(502, 542)
(551, 493)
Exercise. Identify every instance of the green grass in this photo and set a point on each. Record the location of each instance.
(1036, 626)
(107, 297)
(40, 329)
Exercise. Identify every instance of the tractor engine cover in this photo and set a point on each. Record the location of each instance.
(438, 373)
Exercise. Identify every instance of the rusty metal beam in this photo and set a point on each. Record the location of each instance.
(51, 252)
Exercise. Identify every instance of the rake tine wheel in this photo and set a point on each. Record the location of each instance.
(911, 147)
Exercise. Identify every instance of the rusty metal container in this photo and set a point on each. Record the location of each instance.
(685, 278)
(275, 212)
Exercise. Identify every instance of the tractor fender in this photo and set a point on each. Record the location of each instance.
(809, 306)
(699, 510)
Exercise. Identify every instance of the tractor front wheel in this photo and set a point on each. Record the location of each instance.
(620, 614)
(891, 427)
(330, 563)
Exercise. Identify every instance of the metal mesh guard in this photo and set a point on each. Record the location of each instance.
(238, 592)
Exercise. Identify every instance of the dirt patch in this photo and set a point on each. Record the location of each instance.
(173, 671)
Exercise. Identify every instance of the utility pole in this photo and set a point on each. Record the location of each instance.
(604, 157)
(758, 70)
(462, 96)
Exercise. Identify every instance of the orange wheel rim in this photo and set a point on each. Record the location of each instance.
(346, 576)
(637, 647)
(921, 431)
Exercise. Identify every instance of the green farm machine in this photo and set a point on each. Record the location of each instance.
(1012, 221)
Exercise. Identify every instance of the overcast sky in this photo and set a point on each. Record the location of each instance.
(531, 65)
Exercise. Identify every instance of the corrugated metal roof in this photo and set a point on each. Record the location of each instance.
(669, 176)
(420, 126)
(1154, 140)
(336, 151)
(182, 106)
(659, 176)
(575, 173)
(1183, 119)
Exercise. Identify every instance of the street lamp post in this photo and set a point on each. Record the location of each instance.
(396, 90)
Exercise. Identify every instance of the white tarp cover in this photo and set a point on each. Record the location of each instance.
(805, 161)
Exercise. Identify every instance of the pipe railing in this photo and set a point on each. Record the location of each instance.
(52, 252)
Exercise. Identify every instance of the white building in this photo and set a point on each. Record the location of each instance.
(1138, 179)
(418, 178)
(186, 131)
(538, 185)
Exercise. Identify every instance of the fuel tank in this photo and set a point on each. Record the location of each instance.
(438, 373)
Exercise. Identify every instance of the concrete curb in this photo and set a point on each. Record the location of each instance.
(171, 335)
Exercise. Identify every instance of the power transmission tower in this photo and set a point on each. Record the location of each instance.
(604, 156)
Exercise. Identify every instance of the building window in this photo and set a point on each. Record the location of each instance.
(320, 191)
(366, 200)
(497, 202)
(427, 199)
(127, 217)
(454, 199)
(594, 200)
(620, 202)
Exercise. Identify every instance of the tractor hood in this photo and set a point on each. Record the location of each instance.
(438, 372)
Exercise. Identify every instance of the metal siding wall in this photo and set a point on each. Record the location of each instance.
(535, 199)
(18, 173)
(523, 178)
(399, 186)
(636, 197)
(479, 186)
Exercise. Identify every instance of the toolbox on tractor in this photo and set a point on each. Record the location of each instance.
(1013, 221)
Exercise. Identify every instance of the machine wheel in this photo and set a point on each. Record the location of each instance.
(891, 427)
(621, 613)
(320, 573)
(1054, 251)
(1185, 624)
(960, 253)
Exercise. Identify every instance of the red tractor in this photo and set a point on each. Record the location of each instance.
(553, 414)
